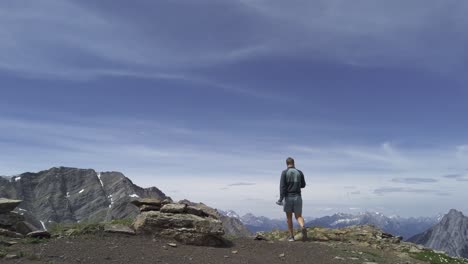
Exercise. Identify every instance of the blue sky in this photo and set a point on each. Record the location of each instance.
(205, 99)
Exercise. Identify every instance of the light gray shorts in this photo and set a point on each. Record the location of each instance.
(293, 204)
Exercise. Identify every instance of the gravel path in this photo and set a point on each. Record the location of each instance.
(113, 248)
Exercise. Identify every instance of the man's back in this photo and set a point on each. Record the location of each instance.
(292, 180)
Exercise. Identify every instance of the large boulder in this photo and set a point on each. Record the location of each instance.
(24, 227)
(185, 228)
(7, 205)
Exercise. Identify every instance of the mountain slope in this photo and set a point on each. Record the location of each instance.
(450, 235)
(69, 195)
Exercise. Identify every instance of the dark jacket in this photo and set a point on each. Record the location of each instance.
(292, 180)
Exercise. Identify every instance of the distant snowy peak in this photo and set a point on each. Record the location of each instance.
(406, 227)
(231, 213)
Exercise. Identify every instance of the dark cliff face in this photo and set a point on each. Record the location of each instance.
(449, 235)
(70, 195)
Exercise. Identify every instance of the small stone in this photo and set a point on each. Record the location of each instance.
(11, 256)
(415, 250)
(226, 256)
(339, 258)
(164, 247)
(172, 244)
(118, 228)
(260, 237)
(234, 252)
(282, 255)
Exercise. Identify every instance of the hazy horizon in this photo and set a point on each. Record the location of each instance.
(206, 99)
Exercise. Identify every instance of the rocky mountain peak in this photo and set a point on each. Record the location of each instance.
(70, 195)
(449, 235)
(454, 214)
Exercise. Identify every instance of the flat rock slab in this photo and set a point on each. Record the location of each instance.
(174, 208)
(8, 205)
(39, 234)
(119, 228)
(146, 208)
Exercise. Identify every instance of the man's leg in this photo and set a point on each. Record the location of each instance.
(290, 223)
(299, 219)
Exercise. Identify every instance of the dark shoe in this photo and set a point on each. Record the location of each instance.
(291, 239)
(304, 234)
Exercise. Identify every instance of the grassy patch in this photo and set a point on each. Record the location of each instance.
(32, 240)
(437, 258)
(230, 237)
(76, 229)
(126, 222)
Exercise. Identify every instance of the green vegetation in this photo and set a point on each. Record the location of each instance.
(76, 229)
(31, 240)
(126, 222)
(437, 258)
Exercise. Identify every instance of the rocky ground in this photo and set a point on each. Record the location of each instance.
(118, 248)
(185, 232)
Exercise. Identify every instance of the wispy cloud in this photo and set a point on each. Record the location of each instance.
(396, 190)
(242, 184)
(101, 36)
(414, 180)
(458, 177)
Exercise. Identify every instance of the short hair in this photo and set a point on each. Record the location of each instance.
(289, 161)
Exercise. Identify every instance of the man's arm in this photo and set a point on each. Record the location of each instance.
(303, 183)
(283, 186)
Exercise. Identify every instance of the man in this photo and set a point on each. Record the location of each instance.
(292, 180)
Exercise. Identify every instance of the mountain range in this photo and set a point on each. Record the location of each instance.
(449, 235)
(257, 223)
(72, 195)
(405, 227)
(398, 226)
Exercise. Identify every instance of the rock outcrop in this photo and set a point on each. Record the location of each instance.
(70, 195)
(188, 224)
(232, 225)
(450, 235)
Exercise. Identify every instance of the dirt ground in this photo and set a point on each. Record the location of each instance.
(114, 248)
